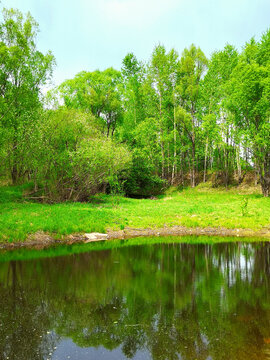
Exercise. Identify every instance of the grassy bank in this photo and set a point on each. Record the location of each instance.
(65, 250)
(199, 207)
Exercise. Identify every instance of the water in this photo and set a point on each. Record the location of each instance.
(162, 301)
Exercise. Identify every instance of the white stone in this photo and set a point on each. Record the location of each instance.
(95, 236)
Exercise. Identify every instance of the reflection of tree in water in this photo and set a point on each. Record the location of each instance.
(25, 316)
(200, 301)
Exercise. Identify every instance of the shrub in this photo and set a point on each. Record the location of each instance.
(141, 181)
(71, 158)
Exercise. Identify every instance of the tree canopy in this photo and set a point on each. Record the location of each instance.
(175, 119)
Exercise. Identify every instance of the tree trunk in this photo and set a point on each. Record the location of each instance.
(174, 148)
(239, 169)
(256, 173)
(181, 169)
(162, 160)
(265, 184)
(14, 174)
(193, 137)
(264, 172)
(193, 165)
(205, 160)
(227, 159)
(108, 128)
(161, 140)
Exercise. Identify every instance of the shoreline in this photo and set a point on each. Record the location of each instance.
(41, 240)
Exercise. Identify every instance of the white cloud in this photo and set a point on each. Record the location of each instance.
(139, 13)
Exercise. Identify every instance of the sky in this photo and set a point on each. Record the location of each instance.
(97, 34)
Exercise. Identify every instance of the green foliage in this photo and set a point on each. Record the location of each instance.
(140, 180)
(73, 160)
(249, 102)
(185, 115)
(96, 93)
(23, 70)
(182, 118)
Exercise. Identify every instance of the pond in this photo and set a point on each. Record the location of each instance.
(153, 301)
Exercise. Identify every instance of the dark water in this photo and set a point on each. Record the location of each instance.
(163, 301)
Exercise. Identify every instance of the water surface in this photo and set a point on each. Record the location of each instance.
(160, 301)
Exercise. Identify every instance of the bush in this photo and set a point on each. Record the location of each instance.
(141, 181)
(71, 158)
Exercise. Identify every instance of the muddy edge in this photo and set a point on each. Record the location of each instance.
(42, 240)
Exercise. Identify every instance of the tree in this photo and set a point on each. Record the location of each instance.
(23, 71)
(133, 74)
(96, 93)
(214, 99)
(162, 78)
(249, 102)
(193, 64)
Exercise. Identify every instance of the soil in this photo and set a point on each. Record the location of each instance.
(41, 240)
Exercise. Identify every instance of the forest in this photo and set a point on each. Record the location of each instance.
(134, 201)
(177, 119)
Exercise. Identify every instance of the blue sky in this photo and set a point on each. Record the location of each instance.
(89, 34)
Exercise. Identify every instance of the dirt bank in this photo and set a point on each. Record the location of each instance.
(41, 240)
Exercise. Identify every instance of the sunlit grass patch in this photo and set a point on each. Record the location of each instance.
(199, 207)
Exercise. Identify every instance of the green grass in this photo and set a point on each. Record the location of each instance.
(199, 207)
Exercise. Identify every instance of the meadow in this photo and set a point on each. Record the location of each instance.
(203, 206)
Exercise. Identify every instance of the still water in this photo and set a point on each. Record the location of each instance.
(163, 301)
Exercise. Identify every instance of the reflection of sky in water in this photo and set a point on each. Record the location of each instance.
(246, 265)
(66, 350)
(241, 264)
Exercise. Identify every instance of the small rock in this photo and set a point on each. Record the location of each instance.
(95, 237)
